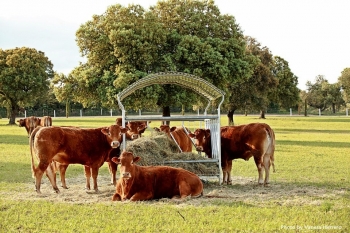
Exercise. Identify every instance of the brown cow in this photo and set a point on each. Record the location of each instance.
(67, 145)
(140, 183)
(180, 136)
(45, 121)
(29, 123)
(241, 142)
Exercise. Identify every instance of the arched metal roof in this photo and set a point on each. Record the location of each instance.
(193, 82)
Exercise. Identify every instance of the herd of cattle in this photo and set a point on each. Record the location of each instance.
(57, 147)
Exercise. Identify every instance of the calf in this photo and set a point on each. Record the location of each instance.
(140, 183)
(179, 135)
(29, 123)
(241, 142)
(71, 145)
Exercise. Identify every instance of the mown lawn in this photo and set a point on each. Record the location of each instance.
(310, 191)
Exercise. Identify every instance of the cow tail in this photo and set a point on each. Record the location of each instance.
(31, 142)
(271, 135)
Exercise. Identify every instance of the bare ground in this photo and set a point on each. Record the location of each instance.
(244, 190)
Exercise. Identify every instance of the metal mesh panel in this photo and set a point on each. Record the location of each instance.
(195, 83)
(214, 127)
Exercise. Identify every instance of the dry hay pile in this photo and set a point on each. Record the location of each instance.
(157, 149)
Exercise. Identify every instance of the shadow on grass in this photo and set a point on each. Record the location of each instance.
(14, 139)
(314, 144)
(287, 131)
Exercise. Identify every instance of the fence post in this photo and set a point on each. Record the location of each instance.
(347, 112)
(290, 111)
(111, 112)
(54, 113)
(81, 113)
(25, 113)
(101, 111)
(319, 112)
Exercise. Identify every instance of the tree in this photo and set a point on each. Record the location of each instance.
(344, 81)
(25, 75)
(322, 94)
(286, 94)
(127, 43)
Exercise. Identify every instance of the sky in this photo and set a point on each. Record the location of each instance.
(313, 36)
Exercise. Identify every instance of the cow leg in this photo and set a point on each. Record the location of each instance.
(62, 168)
(51, 174)
(38, 174)
(113, 171)
(258, 163)
(87, 172)
(142, 196)
(267, 164)
(228, 170)
(94, 173)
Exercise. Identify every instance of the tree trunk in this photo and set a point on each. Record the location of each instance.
(333, 108)
(13, 114)
(262, 114)
(230, 117)
(305, 108)
(166, 113)
(67, 108)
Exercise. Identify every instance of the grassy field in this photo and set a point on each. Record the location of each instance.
(310, 191)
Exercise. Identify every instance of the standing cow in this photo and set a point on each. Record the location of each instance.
(140, 183)
(179, 135)
(71, 145)
(241, 142)
(45, 121)
(29, 123)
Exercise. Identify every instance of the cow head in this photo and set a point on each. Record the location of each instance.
(165, 128)
(126, 161)
(202, 138)
(114, 135)
(135, 128)
(30, 123)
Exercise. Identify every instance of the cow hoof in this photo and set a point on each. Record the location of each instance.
(229, 182)
(64, 187)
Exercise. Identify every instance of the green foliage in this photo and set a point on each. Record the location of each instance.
(344, 81)
(127, 43)
(322, 95)
(286, 93)
(25, 75)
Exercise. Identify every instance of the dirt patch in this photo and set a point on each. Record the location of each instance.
(244, 190)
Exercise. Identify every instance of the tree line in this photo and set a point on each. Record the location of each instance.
(125, 44)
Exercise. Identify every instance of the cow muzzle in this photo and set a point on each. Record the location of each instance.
(115, 144)
(199, 148)
(126, 175)
(134, 136)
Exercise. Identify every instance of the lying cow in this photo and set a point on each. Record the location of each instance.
(179, 135)
(29, 123)
(71, 145)
(241, 142)
(140, 183)
(135, 128)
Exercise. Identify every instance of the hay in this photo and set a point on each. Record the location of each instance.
(157, 149)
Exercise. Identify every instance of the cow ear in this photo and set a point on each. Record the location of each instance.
(191, 135)
(124, 130)
(105, 131)
(136, 159)
(207, 132)
(115, 160)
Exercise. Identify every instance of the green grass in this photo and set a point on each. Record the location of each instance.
(310, 189)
